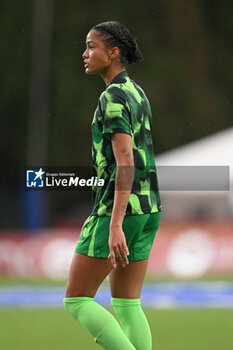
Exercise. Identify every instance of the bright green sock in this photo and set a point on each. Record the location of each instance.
(133, 322)
(100, 323)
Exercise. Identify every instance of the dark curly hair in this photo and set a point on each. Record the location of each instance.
(116, 34)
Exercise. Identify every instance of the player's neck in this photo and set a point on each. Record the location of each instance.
(110, 74)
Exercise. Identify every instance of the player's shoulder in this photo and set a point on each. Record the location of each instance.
(138, 89)
(114, 93)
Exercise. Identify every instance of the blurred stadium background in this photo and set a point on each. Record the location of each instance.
(47, 104)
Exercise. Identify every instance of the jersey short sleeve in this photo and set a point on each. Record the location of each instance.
(116, 114)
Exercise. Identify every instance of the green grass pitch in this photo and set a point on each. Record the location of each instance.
(37, 329)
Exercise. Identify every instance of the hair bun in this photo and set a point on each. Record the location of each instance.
(134, 54)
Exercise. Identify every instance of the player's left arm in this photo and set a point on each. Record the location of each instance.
(123, 153)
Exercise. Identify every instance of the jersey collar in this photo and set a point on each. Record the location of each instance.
(119, 78)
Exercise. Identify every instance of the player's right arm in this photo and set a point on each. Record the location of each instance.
(123, 153)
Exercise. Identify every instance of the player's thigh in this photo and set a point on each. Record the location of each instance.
(127, 282)
(86, 274)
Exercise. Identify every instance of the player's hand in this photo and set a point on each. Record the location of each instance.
(118, 247)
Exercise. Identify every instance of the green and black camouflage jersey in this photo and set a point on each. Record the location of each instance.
(124, 108)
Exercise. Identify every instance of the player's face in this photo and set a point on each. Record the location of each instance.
(96, 56)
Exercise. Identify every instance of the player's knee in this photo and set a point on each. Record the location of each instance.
(66, 304)
(73, 305)
(73, 290)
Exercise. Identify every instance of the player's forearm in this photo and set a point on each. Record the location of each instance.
(123, 185)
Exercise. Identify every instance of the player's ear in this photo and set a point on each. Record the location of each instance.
(114, 52)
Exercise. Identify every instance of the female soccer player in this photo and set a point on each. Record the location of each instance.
(117, 237)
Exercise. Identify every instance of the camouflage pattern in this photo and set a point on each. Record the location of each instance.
(123, 107)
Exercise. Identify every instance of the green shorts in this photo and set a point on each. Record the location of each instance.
(139, 232)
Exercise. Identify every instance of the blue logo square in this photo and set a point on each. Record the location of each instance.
(35, 178)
